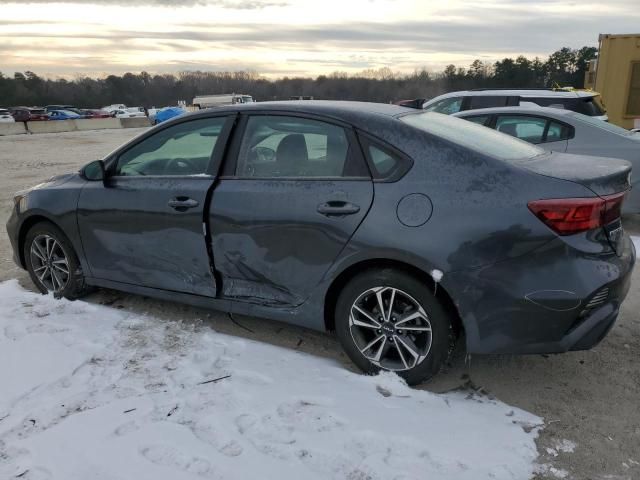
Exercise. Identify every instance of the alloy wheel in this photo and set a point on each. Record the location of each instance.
(390, 328)
(49, 262)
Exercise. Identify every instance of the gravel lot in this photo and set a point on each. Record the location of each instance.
(589, 398)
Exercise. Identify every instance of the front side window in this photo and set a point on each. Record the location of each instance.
(182, 149)
(446, 106)
(529, 129)
(280, 146)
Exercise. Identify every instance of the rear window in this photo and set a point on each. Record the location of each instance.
(472, 136)
(601, 124)
(591, 106)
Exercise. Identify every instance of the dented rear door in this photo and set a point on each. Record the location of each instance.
(297, 193)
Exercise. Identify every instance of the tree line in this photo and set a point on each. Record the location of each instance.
(565, 67)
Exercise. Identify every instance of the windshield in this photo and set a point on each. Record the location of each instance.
(473, 136)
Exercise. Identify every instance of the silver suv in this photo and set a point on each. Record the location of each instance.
(581, 101)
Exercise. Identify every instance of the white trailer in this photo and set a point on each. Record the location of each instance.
(210, 101)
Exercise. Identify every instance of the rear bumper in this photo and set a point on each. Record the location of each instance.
(553, 300)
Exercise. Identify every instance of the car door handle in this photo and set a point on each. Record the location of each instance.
(337, 208)
(182, 203)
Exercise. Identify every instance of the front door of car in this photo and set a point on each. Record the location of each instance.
(286, 209)
(144, 225)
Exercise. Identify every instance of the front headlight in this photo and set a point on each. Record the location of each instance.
(20, 202)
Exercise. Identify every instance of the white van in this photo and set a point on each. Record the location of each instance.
(581, 101)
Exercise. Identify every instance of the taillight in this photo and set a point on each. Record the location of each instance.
(567, 216)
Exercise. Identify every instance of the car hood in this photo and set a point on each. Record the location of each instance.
(54, 181)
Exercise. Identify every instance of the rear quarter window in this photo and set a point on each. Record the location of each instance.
(385, 162)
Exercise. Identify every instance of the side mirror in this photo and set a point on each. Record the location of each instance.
(93, 171)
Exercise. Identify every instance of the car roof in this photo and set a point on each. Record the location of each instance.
(340, 110)
(541, 93)
(532, 110)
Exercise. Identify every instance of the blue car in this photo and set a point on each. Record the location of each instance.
(63, 115)
(167, 113)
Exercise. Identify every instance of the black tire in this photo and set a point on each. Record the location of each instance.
(75, 285)
(410, 289)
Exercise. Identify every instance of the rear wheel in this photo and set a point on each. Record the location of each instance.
(388, 320)
(52, 262)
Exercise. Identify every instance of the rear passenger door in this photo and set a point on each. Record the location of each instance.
(293, 192)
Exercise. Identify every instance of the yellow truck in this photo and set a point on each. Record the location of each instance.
(616, 75)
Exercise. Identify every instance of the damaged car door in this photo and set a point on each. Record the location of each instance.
(145, 224)
(294, 191)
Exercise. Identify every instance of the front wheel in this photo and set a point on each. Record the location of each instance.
(388, 320)
(52, 262)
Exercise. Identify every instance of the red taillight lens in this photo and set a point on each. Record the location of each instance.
(567, 216)
(613, 207)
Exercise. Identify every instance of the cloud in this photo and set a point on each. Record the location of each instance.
(228, 4)
(459, 33)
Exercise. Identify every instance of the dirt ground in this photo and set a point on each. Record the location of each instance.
(589, 398)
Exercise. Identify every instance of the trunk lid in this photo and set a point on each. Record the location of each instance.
(601, 175)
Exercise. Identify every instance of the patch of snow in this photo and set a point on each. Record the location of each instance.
(88, 391)
(565, 446)
(437, 275)
(551, 471)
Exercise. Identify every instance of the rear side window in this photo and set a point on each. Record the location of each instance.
(446, 106)
(275, 146)
(558, 131)
(533, 129)
(529, 129)
(482, 101)
(474, 137)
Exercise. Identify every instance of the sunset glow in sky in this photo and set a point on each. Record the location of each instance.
(293, 37)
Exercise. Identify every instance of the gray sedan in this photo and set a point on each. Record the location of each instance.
(560, 130)
(399, 230)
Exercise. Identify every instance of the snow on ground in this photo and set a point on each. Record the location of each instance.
(88, 391)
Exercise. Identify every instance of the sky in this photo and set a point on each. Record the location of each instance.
(293, 37)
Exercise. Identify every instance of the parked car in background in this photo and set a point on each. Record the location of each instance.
(51, 108)
(130, 112)
(114, 107)
(5, 116)
(412, 103)
(566, 131)
(92, 113)
(78, 111)
(167, 113)
(221, 100)
(28, 114)
(580, 101)
(63, 115)
(399, 229)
